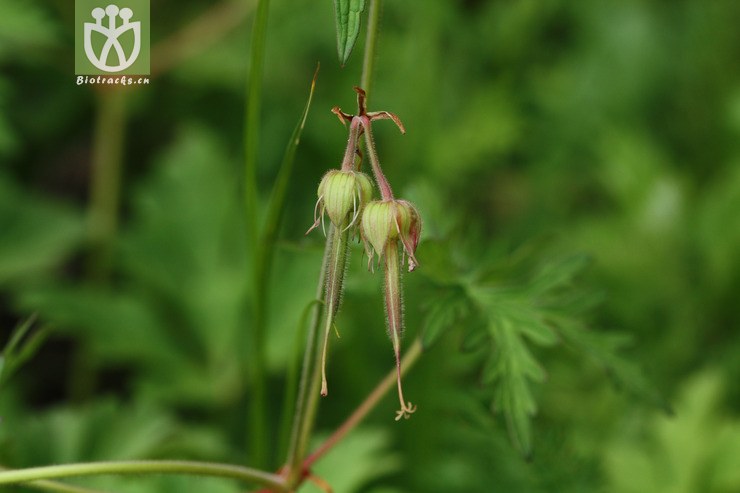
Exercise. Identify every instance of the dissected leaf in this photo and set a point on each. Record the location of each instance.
(604, 348)
(443, 313)
(518, 310)
(512, 367)
(348, 13)
(559, 274)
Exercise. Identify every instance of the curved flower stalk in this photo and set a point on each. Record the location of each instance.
(342, 195)
(384, 224)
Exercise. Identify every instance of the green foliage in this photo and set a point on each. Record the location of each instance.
(348, 14)
(505, 309)
(108, 430)
(178, 314)
(671, 454)
(604, 128)
(36, 234)
(20, 348)
(363, 457)
(25, 26)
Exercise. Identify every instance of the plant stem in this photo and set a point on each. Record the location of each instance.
(257, 401)
(385, 188)
(371, 42)
(252, 115)
(105, 182)
(310, 375)
(245, 474)
(372, 400)
(104, 198)
(334, 281)
(54, 486)
(394, 310)
(348, 161)
(308, 387)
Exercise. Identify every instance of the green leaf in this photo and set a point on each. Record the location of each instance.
(443, 313)
(20, 348)
(512, 368)
(347, 14)
(179, 308)
(559, 274)
(36, 234)
(604, 348)
(277, 198)
(361, 457)
(539, 307)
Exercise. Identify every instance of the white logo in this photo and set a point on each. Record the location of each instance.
(112, 33)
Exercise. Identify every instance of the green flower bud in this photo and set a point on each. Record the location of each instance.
(342, 195)
(391, 220)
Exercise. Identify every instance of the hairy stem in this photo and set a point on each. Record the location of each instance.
(348, 161)
(394, 311)
(393, 294)
(385, 188)
(245, 474)
(312, 396)
(308, 373)
(334, 282)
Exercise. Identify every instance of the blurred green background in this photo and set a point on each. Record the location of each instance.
(608, 129)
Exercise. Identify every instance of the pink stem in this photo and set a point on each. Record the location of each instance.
(386, 192)
(348, 162)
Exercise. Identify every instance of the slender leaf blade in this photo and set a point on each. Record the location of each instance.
(277, 198)
(348, 13)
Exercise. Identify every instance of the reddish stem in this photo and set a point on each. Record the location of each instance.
(386, 192)
(355, 128)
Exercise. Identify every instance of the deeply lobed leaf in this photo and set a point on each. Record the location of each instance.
(506, 313)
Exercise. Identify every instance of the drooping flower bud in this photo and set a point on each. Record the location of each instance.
(342, 195)
(384, 224)
(385, 221)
